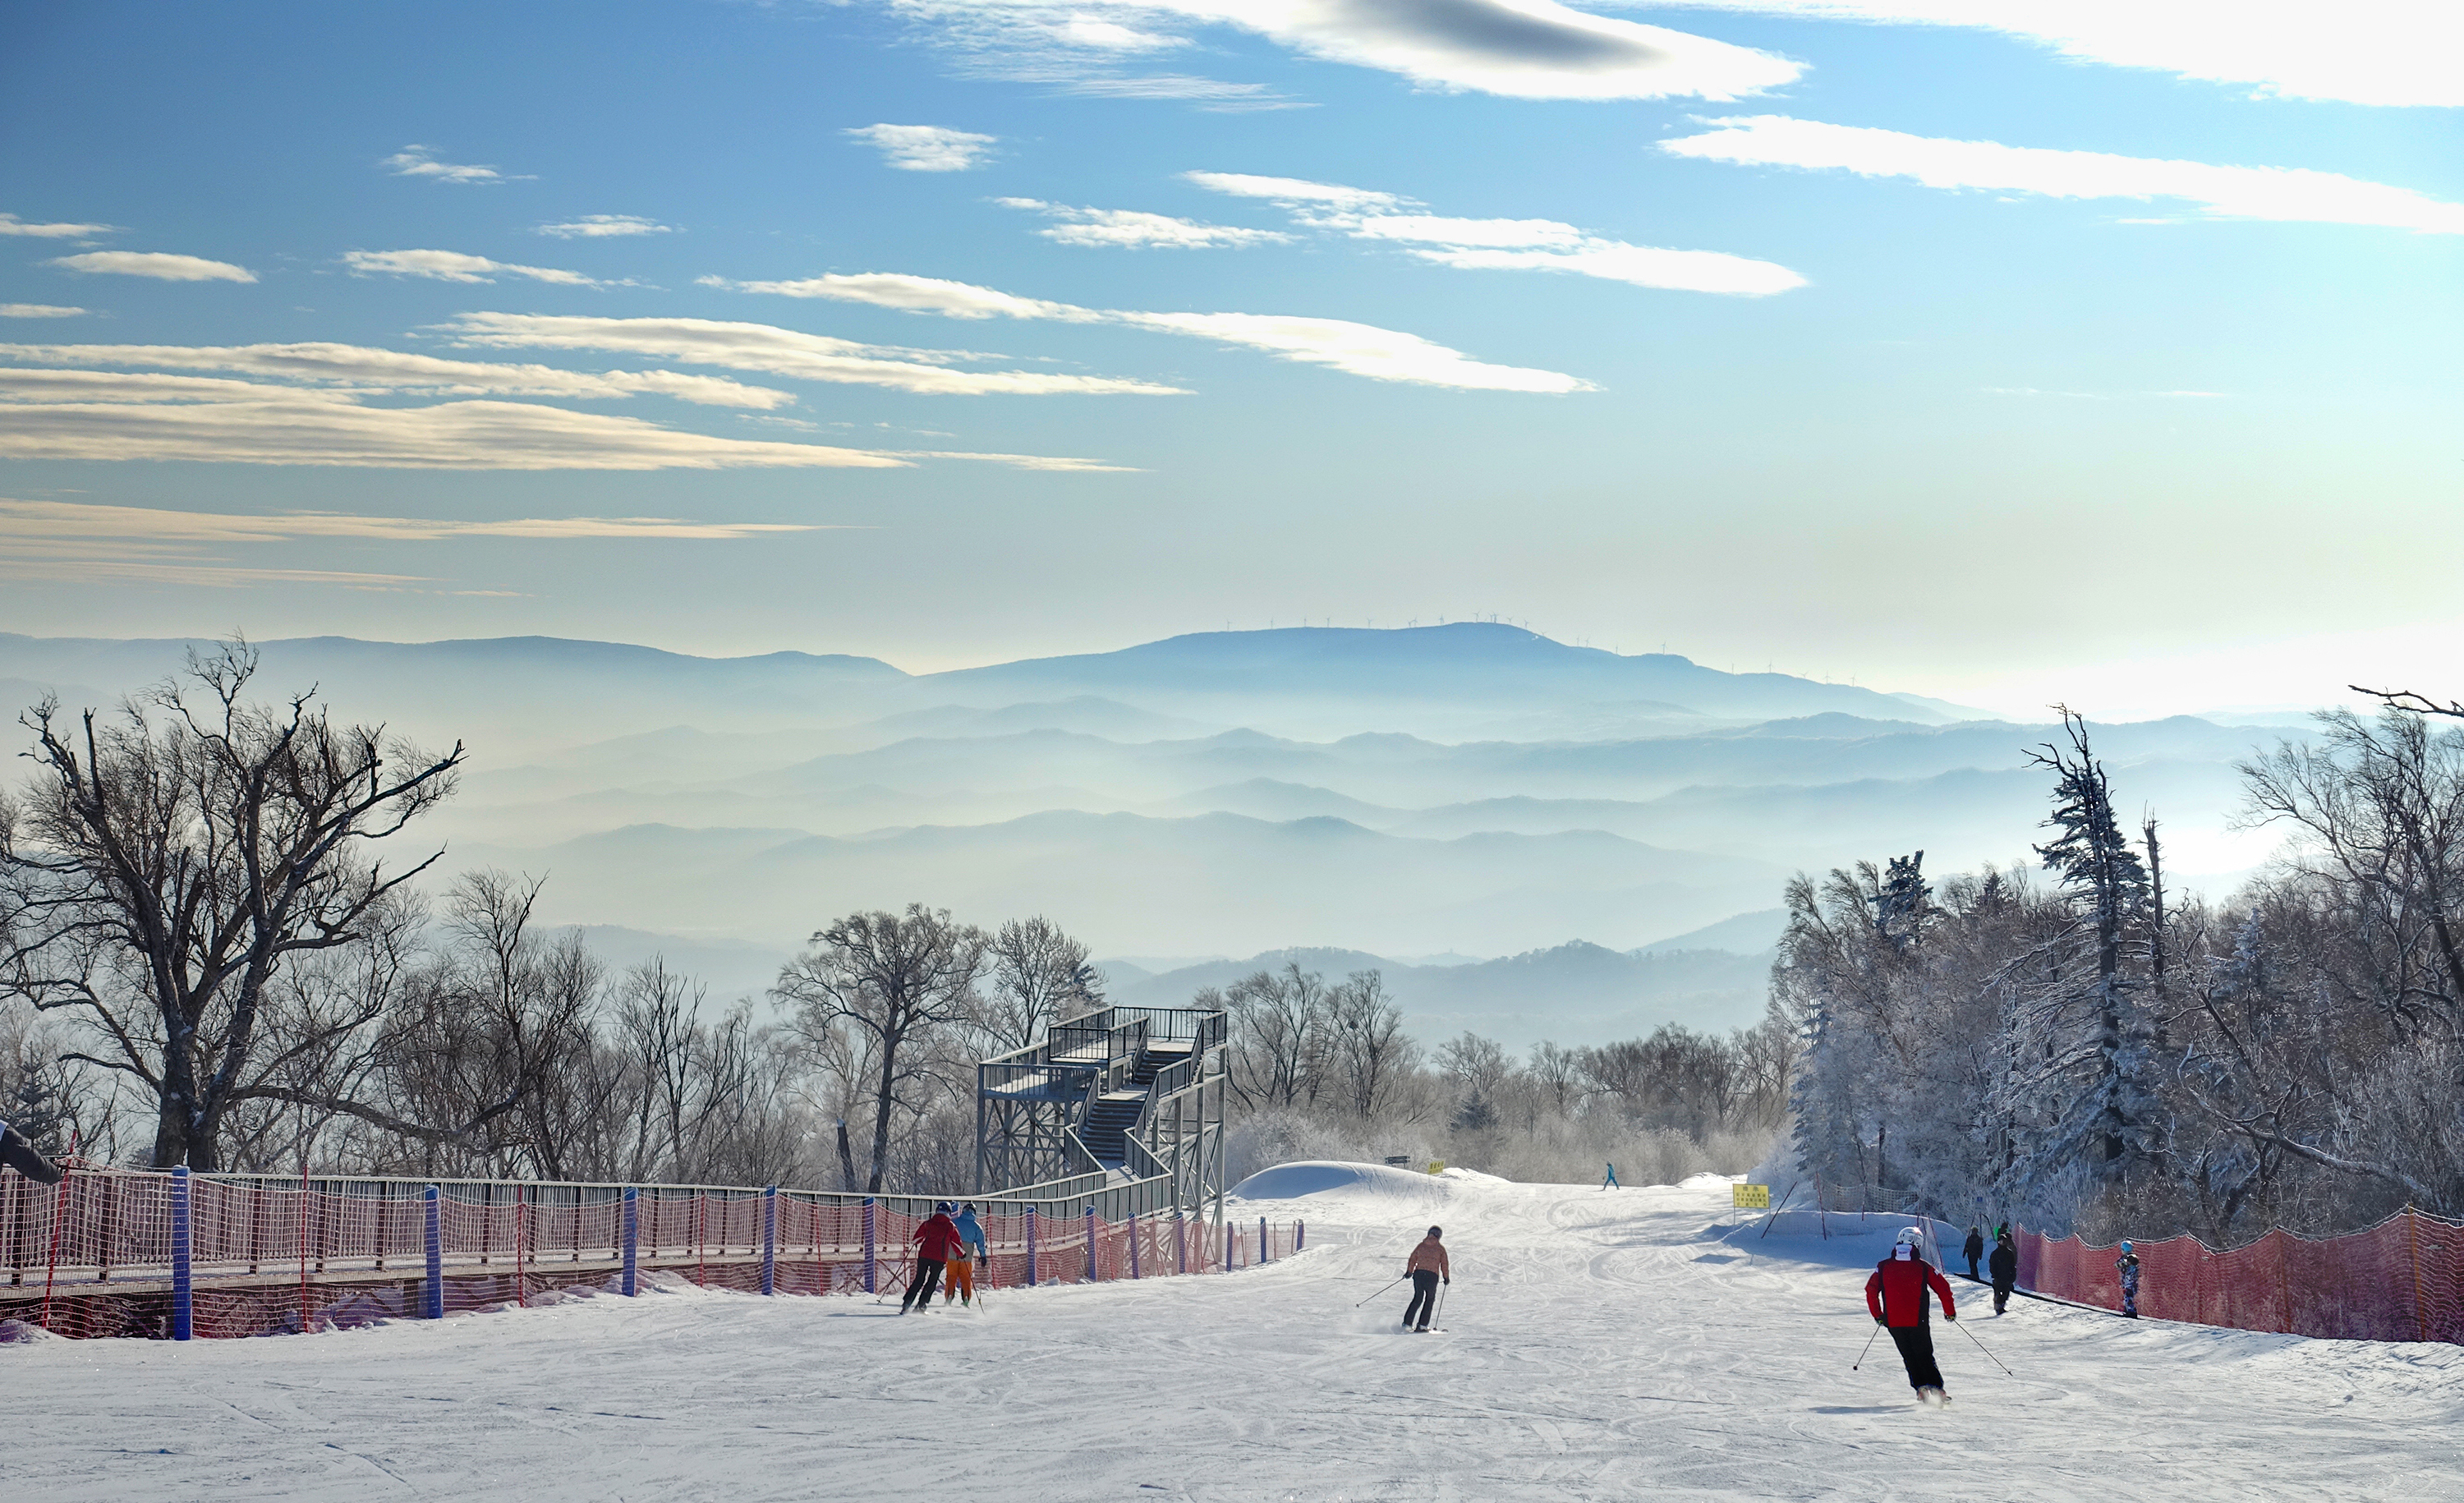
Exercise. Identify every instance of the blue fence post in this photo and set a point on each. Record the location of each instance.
(868, 1266)
(1266, 1254)
(1300, 1236)
(770, 1240)
(1133, 1245)
(182, 1309)
(432, 1213)
(1181, 1239)
(1031, 1246)
(632, 1233)
(1090, 1243)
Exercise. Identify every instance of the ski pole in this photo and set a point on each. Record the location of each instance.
(1869, 1346)
(1434, 1314)
(1382, 1291)
(1989, 1356)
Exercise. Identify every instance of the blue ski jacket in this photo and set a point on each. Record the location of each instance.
(971, 1234)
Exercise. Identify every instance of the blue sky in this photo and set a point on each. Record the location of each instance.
(2015, 351)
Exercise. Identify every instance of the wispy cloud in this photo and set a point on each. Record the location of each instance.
(1529, 245)
(66, 567)
(2363, 52)
(159, 265)
(37, 310)
(372, 370)
(30, 523)
(2284, 194)
(421, 161)
(927, 148)
(595, 227)
(11, 224)
(1132, 228)
(784, 352)
(453, 266)
(1524, 49)
(1359, 349)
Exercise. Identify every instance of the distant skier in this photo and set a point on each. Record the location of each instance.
(935, 1241)
(1896, 1294)
(1610, 1183)
(1428, 1267)
(1973, 1249)
(21, 1156)
(2004, 1266)
(2127, 1266)
(960, 1285)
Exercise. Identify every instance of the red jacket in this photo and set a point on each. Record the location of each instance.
(939, 1237)
(1896, 1292)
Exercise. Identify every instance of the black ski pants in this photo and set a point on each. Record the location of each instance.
(919, 1288)
(1425, 1297)
(2001, 1295)
(1916, 1349)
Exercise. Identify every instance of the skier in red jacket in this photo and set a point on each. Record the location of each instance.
(1896, 1294)
(937, 1242)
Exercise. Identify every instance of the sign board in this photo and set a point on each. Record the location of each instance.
(1399, 1160)
(1750, 1197)
(1437, 1166)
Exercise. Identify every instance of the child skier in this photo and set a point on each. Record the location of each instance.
(1428, 1267)
(2127, 1266)
(935, 1242)
(1896, 1294)
(2004, 1266)
(972, 1247)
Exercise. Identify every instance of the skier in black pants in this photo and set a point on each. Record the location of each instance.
(1427, 1267)
(1973, 1249)
(1896, 1294)
(2004, 1266)
(20, 1155)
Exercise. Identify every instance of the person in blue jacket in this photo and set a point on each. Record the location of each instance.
(972, 1250)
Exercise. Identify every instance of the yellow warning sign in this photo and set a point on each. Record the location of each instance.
(1751, 1197)
(1437, 1166)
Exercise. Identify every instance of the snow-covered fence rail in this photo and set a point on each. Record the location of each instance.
(2402, 1280)
(126, 1252)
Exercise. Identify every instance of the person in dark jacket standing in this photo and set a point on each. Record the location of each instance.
(2127, 1266)
(2004, 1266)
(23, 1157)
(1973, 1249)
(936, 1242)
(1427, 1267)
(1896, 1294)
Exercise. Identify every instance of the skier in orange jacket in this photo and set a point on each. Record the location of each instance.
(1427, 1266)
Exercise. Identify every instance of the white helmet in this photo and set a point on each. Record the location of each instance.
(1910, 1236)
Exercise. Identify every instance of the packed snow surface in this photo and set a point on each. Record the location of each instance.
(1595, 1344)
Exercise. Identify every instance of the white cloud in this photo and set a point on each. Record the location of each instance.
(11, 224)
(2286, 194)
(453, 266)
(421, 161)
(1526, 49)
(372, 370)
(283, 425)
(927, 148)
(1134, 230)
(784, 352)
(159, 265)
(26, 523)
(2365, 52)
(1358, 349)
(37, 310)
(594, 226)
(1051, 463)
(1526, 244)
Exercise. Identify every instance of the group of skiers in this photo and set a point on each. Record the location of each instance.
(2003, 1265)
(951, 1241)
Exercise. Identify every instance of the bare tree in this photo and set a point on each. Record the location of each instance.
(166, 864)
(1040, 977)
(1372, 1051)
(1281, 1035)
(887, 988)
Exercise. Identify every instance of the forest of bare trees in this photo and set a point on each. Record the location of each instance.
(2086, 1048)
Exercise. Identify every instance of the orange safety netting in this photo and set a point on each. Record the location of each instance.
(95, 1256)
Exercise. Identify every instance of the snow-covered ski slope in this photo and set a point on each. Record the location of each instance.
(1595, 1345)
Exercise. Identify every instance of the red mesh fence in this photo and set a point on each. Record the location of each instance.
(95, 1256)
(2402, 1280)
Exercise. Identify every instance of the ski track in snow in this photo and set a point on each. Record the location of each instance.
(1597, 1345)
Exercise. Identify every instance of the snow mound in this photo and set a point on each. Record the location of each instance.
(1286, 1182)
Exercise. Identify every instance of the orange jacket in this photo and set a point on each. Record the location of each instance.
(1896, 1294)
(1430, 1254)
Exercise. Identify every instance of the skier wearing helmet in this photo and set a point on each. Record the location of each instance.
(1896, 1296)
(1426, 1268)
(2127, 1266)
(937, 1242)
